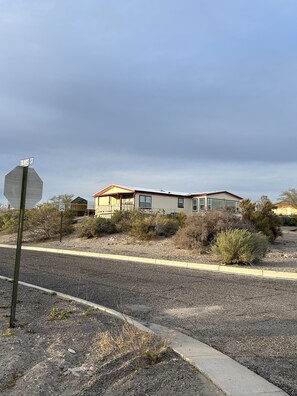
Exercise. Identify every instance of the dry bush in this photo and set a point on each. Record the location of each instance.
(129, 340)
(44, 222)
(240, 247)
(95, 227)
(123, 219)
(144, 227)
(166, 225)
(200, 230)
(148, 226)
(181, 217)
(9, 221)
(262, 216)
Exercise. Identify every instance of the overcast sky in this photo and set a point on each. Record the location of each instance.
(185, 95)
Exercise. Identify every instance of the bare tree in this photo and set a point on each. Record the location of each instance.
(64, 198)
(290, 197)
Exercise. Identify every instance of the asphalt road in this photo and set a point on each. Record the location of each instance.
(251, 320)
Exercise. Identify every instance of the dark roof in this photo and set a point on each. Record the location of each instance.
(79, 200)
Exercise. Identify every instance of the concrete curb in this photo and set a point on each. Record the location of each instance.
(228, 375)
(263, 273)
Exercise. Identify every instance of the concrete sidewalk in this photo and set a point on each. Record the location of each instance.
(229, 376)
(230, 269)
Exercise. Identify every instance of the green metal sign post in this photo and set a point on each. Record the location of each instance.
(61, 227)
(23, 189)
(19, 247)
(61, 210)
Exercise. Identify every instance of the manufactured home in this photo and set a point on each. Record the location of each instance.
(115, 197)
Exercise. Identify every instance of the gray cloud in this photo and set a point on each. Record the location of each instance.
(185, 92)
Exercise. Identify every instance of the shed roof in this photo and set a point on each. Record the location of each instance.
(79, 200)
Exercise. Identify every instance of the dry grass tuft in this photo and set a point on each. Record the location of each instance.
(130, 340)
(59, 314)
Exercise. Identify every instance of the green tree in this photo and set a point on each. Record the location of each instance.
(261, 215)
(289, 197)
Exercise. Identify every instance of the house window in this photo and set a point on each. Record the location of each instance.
(232, 206)
(222, 204)
(180, 202)
(128, 199)
(201, 203)
(195, 204)
(216, 204)
(145, 201)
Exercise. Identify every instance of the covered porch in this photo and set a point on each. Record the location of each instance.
(108, 204)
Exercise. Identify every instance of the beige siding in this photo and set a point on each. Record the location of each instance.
(166, 203)
(103, 200)
(109, 201)
(188, 205)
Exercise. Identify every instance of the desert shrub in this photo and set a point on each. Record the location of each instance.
(181, 217)
(9, 220)
(95, 227)
(144, 227)
(2, 213)
(290, 221)
(261, 216)
(166, 225)
(200, 230)
(123, 219)
(117, 216)
(44, 222)
(240, 247)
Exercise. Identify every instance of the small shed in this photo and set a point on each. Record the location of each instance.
(79, 206)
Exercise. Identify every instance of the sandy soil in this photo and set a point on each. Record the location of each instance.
(282, 255)
(48, 355)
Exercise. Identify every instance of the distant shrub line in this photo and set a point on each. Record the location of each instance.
(232, 238)
(140, 225)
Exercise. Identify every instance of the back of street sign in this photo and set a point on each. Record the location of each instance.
(13, 188)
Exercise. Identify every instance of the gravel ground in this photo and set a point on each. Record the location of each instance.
(64, 357)
(282, 255)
